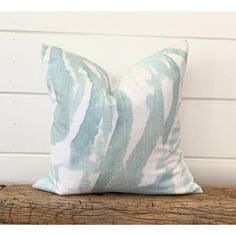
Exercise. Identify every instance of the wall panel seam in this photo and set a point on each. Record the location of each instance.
(206, 99)
(117, 35)
(46, 155)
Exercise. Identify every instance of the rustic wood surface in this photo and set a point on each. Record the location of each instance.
(20, 204)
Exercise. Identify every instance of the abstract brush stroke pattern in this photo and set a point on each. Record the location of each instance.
(125, 139)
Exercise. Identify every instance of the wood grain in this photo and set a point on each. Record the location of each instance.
(20, 204)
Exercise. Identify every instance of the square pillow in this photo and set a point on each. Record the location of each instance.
(110, 135)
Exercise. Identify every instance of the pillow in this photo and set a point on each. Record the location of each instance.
(110, 135)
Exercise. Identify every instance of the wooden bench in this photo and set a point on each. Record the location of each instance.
(20, 204)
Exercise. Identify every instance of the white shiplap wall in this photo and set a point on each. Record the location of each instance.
(115, 41)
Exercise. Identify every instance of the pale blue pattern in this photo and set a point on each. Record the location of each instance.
(93, 128)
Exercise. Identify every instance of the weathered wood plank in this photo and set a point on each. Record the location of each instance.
(20, 204)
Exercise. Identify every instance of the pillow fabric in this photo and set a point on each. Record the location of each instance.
(116, 135)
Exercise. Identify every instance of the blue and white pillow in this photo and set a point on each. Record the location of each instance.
(123, 138)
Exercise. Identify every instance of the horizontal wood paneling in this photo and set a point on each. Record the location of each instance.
(24, 123)
(183, 24)
(27, 168)
(22, 168)
(213, 172)
(208, 127)
(116, 41)
(210, 71)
